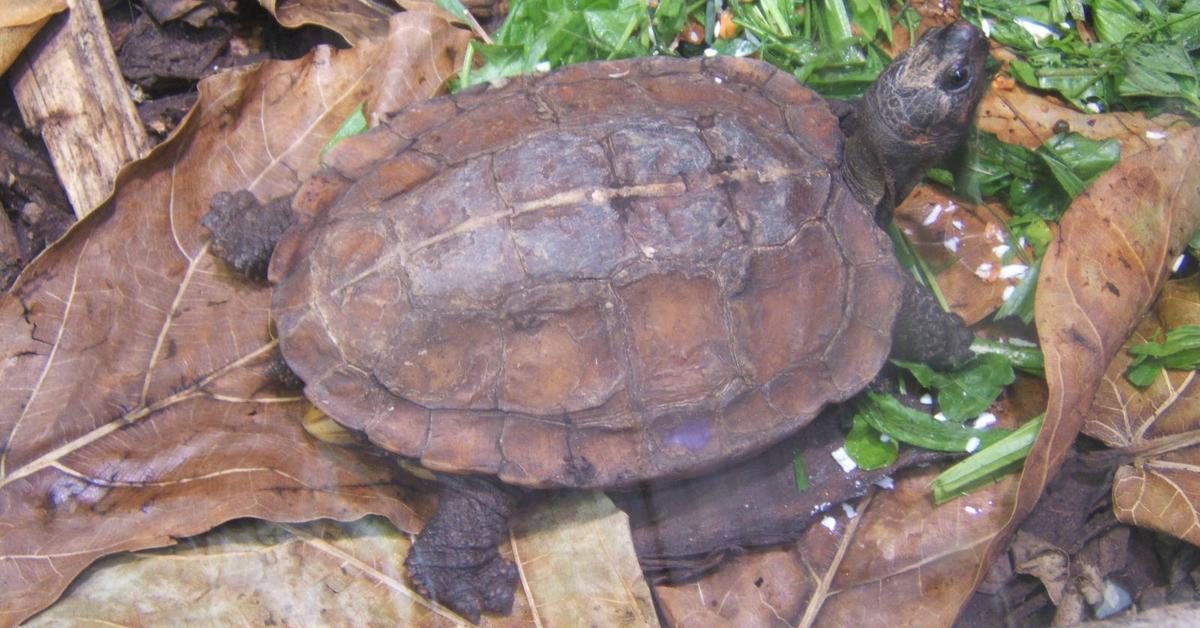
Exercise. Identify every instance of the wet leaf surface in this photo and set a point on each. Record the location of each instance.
(1155, 429)
(137, 407)
(960, 242)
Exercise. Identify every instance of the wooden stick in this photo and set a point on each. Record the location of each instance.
(69, 87)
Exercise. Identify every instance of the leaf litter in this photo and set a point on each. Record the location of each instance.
(825, 588)
(135, 368)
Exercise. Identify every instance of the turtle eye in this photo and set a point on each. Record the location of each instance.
(956, 78)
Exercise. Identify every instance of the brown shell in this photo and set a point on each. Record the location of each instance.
(611, 273)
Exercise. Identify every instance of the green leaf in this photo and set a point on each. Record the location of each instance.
(1001, 457)
(1025, 357)
(1179, 350)
(1115, 21)
(886, 414)
(800, 470)
(1020, 302)
(868, 447)
(1163, 70)
(967, 391)
(355, 124)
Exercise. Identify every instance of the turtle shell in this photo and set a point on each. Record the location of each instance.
(615, 272)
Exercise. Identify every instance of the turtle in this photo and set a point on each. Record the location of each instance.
(613, 273)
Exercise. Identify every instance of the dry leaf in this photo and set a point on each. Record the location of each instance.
(356, 20)
(577, 564)
(1156, 428)
(19, 22)
(135, 404)
(962, 244)
(1104, 269)
(258, 573)
(1019, 116)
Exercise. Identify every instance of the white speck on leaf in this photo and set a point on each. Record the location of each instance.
(844, 460)
(1012, 271)
(933, 215)
(985, 420)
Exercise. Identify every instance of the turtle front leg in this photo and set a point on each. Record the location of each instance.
(245, 232)
(924, 332)
(455, 560)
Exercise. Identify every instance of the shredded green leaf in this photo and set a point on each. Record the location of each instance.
(1179, 350)
(1001, 457)
(800, 470)
(818, 44)
(967, 391)
(355, 124)
(1144, 56)
(886, 414)
(868, 447)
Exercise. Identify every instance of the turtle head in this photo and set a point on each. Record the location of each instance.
(915, 114)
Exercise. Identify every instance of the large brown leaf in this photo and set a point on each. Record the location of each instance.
(1156, 429)
(1100, 275)
(134, 401)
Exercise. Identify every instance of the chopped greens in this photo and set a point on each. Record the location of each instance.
(1035, 183)
(1180, 349)
(1026, 358)
(887, 415)
(870, 448)
(1101, 55)
(1001, 457)
(831, 45)
(968, 390)
(800, 470)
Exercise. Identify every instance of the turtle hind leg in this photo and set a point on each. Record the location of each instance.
(455, 560)
(924, 332)
(245, 232)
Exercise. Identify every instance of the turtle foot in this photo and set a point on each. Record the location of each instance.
(466, 589)
(455, 560)
(244, 232)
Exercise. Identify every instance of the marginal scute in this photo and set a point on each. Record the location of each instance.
(535, 452)
(615, 273)
(464, 441)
